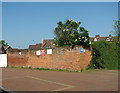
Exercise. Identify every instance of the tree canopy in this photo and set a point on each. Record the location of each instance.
(3, 43)
(116, 28)
(70, 33)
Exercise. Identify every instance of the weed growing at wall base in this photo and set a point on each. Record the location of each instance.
(47, 69)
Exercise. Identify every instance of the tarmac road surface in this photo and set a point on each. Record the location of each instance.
(15, 79)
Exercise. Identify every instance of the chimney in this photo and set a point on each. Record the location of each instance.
(109, 35)
(43, 42)
(97, 36)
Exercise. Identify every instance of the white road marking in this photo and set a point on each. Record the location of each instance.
(67, 86)
(62, 88)
(13, 78)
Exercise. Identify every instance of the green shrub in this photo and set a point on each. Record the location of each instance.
(104, 55)
(82, 69)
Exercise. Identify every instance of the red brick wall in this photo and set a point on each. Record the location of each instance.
(14, 60)
(62, 58)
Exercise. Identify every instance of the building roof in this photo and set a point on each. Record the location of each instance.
(104, 38)
(32, 47)
(6, 47)
(1, 46)
(101, 38)
(97, 36)
(38, 46)
(35, 47)
(15, 48)
(1, 49)
(48, 43)
(91, 39)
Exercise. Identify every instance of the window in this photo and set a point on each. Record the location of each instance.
(107, 39)
(95, 39)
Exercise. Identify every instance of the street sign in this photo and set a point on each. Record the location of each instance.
(81, 50)
(42, 52)
(49, 51)
(38, 52)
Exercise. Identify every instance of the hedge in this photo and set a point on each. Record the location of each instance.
(104, 55)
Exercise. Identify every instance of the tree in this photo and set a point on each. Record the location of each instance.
(116, 28)
(3, 43)
(69, 33)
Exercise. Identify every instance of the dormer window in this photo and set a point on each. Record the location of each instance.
(95, 39)
(110, 37)
(107, 39)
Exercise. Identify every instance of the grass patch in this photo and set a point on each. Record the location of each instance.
(93, 70)
(47, 69)
(82, 69)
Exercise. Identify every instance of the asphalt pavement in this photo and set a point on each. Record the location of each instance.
(17, 80)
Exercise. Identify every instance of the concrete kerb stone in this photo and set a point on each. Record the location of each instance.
(6, 90)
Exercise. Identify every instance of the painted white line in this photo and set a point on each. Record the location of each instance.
(63, 88)
(67, 86)
(13, 78)
(48, 81)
